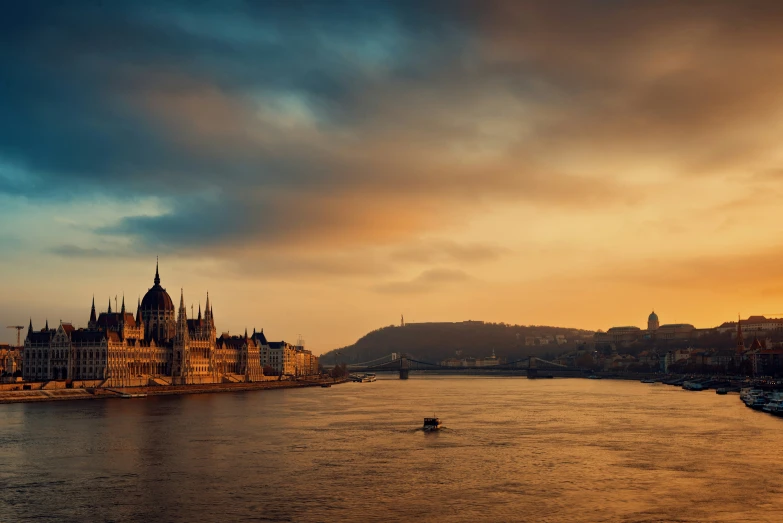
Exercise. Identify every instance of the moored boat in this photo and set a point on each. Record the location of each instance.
(774, 403)
(127, 396)
(749, 395)
(699, 384)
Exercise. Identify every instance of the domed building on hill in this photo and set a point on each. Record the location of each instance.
(652, 322)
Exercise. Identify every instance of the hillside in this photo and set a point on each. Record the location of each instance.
(437, 341)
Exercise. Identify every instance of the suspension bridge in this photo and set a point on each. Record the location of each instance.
(404, 363)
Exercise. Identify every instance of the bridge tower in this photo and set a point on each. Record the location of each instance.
(532, 370)
(404, 366)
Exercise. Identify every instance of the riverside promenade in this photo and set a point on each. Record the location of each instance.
(30, 396)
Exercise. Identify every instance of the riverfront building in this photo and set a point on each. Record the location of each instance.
(285, 359)
(10, 361)
(159, 344)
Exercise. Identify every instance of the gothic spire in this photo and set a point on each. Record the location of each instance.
(30, 329)
(245, 332)
(157, 275)
(181, 330)
(208, 313)
(47, 325)
(123, 304)
(110, 305)
(199, 311)
(92, 311)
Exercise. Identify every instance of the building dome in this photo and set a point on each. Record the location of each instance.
(652, 317)
(157, 298)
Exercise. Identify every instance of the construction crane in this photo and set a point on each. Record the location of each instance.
(19, 329)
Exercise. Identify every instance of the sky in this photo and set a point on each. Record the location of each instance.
(322, 168)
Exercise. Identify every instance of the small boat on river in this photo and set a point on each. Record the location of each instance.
(431, 424)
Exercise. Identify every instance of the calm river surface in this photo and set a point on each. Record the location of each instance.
(513, 450)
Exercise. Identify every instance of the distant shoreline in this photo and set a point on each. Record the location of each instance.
(37, 396)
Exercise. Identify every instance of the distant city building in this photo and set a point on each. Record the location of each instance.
(10, 360)
(675, 331)
(472, 362)
(119, 349)
(286, 359)
(652, 322)
(620, 335)
(626, 335)
(752, 324)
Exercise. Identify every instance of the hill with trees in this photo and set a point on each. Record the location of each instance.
(435, 342)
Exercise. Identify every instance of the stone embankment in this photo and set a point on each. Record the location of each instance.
(60, 394)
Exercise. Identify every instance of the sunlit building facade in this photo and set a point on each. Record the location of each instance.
(159, 345)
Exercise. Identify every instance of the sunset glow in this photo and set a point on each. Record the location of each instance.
(322, 168)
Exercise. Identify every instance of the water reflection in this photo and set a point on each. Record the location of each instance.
(512, 449)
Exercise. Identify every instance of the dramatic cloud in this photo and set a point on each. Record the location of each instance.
(429, 280)
(448, 251)
(73, 251)
(515, 140)
(263, 122)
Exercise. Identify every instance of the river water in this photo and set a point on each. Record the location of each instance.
(512, 450)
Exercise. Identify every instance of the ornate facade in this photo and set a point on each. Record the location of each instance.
(119, 349)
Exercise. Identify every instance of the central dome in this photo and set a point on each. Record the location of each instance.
(157, 298)
(653, 316)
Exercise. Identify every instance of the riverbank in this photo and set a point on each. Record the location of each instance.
(32, 396)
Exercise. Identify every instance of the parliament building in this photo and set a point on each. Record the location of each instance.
(159, 345)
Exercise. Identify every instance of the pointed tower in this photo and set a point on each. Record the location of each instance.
(199, 312)
(93, 318)
(46, 328)
(121, 320)
(740, 339)
(30, 329)
(109, 311)
(181, 332)
(180, 367)
(209, 328)
(157, 274)
(139, 322)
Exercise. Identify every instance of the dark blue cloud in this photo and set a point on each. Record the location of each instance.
(159, 98)
(70, 70)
